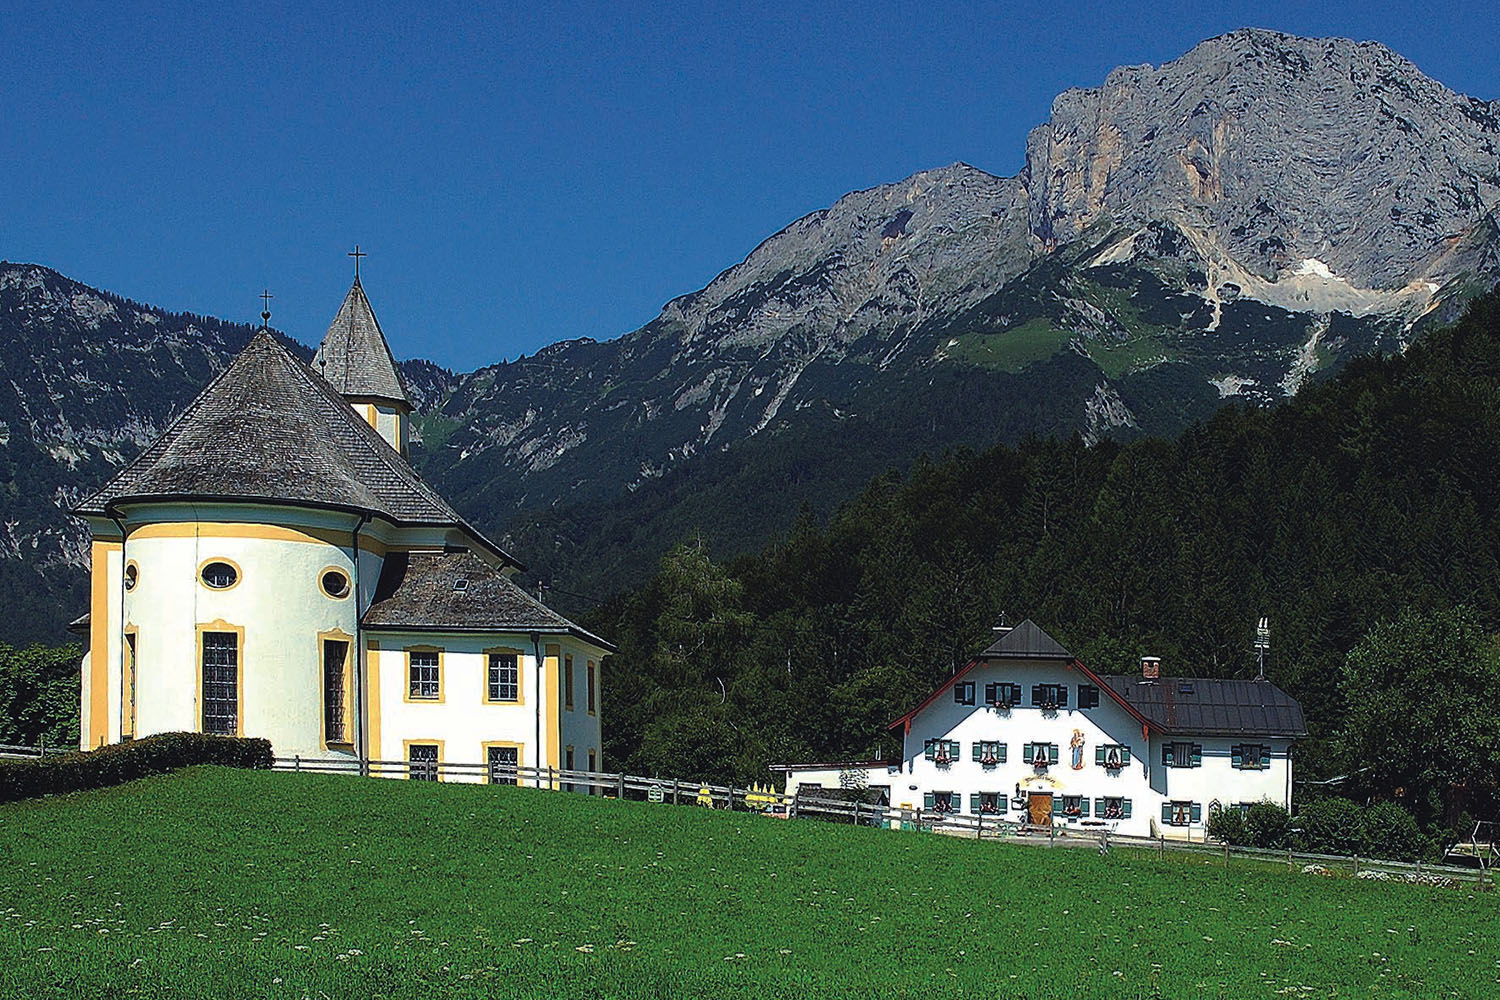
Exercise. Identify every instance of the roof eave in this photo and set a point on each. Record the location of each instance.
(575, 631)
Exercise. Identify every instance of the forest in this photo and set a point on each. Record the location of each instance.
(1359, 516)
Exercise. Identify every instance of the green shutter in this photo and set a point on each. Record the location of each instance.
(954, 749)
(1166, 812)
(1062, 695)
(1099, 755)
(1166, 755)
(1124, 755)
(1052, 753)
(1265, 756)
(974, 749)
(1027, 751)
(1197, 812)
(1098, 807)
(974, 803)
(1126, 804)
(1001, 751)
(927, 801)
(1083, 805)
(931, 749)
(1197, 754)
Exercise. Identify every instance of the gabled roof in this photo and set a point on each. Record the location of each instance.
(354, 356)
(459, 592)
(1027, 641)
(1212, 706)
(267, 429)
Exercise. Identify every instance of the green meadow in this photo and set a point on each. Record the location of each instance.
(222, 883)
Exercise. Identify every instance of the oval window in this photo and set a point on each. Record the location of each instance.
(220, 575)
(335, 583)
(132, 573)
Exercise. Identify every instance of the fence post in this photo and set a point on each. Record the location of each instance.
(622, 786)
(1289, 858)
(364, 767)
(297, 762)
(1226, 854)
(676, 792)
(1161, 845)
(1356, 864)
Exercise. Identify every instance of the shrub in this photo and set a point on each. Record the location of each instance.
(1266, 822)
(113, 765)
(1228, 827)
(1330, 826)
(1391, 833)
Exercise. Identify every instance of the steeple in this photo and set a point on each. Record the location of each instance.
(357, 362)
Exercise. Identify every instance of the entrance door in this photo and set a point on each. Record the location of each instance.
(1040, 808)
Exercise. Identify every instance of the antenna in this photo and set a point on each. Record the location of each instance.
(1262, 646)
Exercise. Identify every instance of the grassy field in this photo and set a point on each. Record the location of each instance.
(250, 884)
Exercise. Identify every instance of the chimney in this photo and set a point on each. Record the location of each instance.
(1150, 669)
(1000, 628)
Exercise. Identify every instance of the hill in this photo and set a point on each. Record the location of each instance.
(347, 887)
(1228, 226)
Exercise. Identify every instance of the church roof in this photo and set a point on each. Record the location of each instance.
(459, 592)
(354, 357)
(269, 429)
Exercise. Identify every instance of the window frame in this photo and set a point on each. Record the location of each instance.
(406, 690)
(593, 689)
(963, 693)
(1262, 756)
(239, 574)
(348, 583)
(1059, 694)
(951, 748)
(1102, 751)
(347, 708)
(1029, 756)
(220, 627)
(437, 770)
(489, 654)
(567, 682)
(977, 752)
(489, 774)
(1169, 754)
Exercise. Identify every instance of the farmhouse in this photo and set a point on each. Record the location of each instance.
(272, 566)
(1026, 732)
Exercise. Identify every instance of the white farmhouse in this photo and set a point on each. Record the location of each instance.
(272, 566)
(1025, 732)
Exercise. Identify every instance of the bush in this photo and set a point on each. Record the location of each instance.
(1227, 826)
(1266, 823)
(1391, 833)
(1330, 826)
(113, 765)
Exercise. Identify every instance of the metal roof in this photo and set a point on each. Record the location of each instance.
(1211, 706)
(459, 592)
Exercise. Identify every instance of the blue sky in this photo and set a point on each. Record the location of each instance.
(523, 173)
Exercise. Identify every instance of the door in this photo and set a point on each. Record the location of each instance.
(1040, 808)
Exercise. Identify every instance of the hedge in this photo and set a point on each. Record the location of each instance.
(113, 765)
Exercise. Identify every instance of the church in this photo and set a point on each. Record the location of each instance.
(272, 566)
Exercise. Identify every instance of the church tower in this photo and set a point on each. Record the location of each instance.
(357, 362)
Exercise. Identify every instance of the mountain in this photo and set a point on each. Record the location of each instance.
(1228, 225)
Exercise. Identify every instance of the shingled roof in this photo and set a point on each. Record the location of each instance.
(458, 592)
(268, 429)
(354, 357)
(1212, 706)
(1027, 641)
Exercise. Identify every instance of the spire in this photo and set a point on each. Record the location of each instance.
(265, 308)
(354, 356)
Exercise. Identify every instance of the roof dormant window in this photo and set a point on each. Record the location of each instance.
(219, 575)
(335, 583)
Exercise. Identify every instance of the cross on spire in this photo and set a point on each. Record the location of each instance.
(265, 306)
(357, 255)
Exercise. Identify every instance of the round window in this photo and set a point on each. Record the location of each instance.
(335, 583)
(132, 573)
(220, 575)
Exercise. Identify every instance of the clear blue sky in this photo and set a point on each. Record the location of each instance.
(522, 173)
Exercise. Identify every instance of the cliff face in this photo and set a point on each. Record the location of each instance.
(1234, 223)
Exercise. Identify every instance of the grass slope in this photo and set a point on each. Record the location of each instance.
(238, 884)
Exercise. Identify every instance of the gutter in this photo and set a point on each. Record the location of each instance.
(361, 707)
(536, 649)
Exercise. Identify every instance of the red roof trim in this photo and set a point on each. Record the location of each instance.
(1075, 662)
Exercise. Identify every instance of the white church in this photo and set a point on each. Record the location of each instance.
(1026, 733)
(273, 567)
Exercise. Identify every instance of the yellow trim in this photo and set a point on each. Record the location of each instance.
(336, 635)
(372, 676)
(593, 691)
(406, 746)
(554, 715)
(239, 574)
(348, 583)
(258, 532)
(520, 656)
(406, 681)
(484, 756)
(130, 587)
(130, 654)
(220, 625)
(97, 724)
(568, 682)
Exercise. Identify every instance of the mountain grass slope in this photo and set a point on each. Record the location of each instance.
(237, 884)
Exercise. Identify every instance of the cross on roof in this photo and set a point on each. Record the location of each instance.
(265, 304)
(357, 255)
